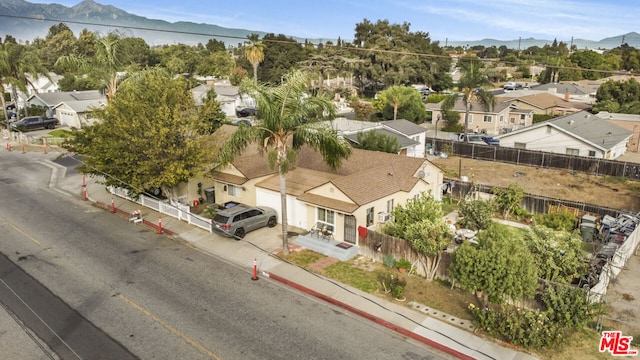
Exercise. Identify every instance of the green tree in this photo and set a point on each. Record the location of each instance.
(421, 223)
(400, 102)
(254, 52)
(149, 135)
(211, 112)
(508, 199)
(282, 55)
(557, 254)
(18, 65)
(104, 65)
(371, 140)
(618, 96)
(476, 214)
(286, 122)
(218, 64)
(499, 267)
(470, 85)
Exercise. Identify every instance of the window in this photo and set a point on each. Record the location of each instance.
(501, 118)
(487, 118)
(327, 217)
(592, 153)
(233, 190)
(470, 118)
(573, 151)
(369, 216)
(389, 206)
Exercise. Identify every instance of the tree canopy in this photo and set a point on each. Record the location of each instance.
(401, 102)
(287, 120)
(499, 267)
(149, 136)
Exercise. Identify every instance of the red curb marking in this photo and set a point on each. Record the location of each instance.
(373, 318)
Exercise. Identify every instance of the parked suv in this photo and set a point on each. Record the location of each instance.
(240, 219)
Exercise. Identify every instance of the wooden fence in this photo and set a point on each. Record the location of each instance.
(542, 159)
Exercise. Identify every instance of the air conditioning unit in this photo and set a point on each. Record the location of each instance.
(383, 217)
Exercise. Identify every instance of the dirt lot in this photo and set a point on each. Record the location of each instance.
(562, 184)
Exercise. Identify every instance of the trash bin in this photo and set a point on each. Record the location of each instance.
(210, 194)
(587, 230)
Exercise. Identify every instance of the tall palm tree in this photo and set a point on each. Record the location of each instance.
(105, 64)
(286, 121)
(254, 52)
(470, 85)
(18, 63)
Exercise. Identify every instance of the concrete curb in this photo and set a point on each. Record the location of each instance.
(370, 317)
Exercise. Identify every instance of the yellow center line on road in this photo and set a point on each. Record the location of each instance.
(170, 328)
(29, 237)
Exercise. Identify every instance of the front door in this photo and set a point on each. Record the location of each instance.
(350, 229)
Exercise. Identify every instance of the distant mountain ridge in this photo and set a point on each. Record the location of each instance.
(17, 19)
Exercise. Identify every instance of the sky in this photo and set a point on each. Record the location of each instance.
(452, 20)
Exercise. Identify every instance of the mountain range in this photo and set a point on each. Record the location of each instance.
(26, 21)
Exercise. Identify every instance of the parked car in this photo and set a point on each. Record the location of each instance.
(33, 123)
(471, 138)
(238, 220)
(512, 86)
(245, 112)
(490, 140)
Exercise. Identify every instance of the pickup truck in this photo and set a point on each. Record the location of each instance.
(33, 123)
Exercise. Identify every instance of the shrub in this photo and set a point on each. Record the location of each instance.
(403, 264)
(389, 261)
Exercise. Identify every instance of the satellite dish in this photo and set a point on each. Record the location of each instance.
(421, 174)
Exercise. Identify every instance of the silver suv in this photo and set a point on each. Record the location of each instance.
(238, 220)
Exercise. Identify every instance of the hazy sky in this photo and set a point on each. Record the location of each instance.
(455, 20)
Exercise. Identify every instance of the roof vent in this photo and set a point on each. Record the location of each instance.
(571, 122)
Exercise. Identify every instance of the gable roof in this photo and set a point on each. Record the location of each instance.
(82, 106)
(403, 141)
(476, 107)
(404, 127)
(585, 126)
(540, 100)
(561, 88)
(55, 98)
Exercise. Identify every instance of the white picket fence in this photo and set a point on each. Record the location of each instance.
(180, 212)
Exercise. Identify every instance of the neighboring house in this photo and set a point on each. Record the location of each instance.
(226, 94)
(38, 86)
(581, 134)
(76, 108)
(542, 103)
(630, 122)
(503, 118)
(569, 91)
(76, 114)
(362, 192)
(410, 137)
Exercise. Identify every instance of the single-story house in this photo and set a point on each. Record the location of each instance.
(504, 117)
(226, 94)
(569, 91)
(362, 192)
(410, 137)
(75, 106)
(630, 122)
(580, 134)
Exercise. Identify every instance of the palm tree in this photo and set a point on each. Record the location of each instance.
(105, 63)
(287, 121)
(470, 85)
(17, 63)
(254, 52)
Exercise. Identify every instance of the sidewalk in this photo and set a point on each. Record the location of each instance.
(258, 248)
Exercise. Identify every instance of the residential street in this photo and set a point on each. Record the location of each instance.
(160, 298)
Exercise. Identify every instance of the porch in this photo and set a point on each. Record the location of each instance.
(327, 246)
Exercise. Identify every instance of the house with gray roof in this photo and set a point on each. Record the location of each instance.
(630, 122)
(410, 137)
(71, 108)
(579, 134)
(569, 91)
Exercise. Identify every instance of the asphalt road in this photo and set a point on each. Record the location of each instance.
(145, 295)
